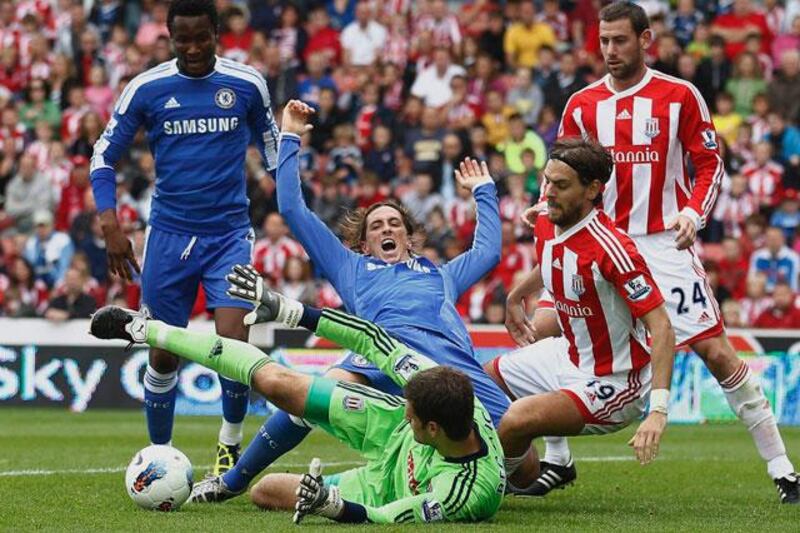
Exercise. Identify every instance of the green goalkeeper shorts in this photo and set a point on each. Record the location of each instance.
(365, 419)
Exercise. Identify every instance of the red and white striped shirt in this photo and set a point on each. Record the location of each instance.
(269, 257)
(765, 181)
(600, 285)
(649, 129)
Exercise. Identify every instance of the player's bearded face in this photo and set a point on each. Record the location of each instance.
(568, 200)
(622, 49)
(387, 237)
(195, 42)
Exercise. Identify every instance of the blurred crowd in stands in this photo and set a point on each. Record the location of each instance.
(403, 91)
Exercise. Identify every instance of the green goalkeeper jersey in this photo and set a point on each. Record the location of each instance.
(404, 480)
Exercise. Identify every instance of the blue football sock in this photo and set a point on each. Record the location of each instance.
(278, 435)
(235, 398)
(160, 391)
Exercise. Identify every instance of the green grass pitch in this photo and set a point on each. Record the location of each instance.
(64, 472)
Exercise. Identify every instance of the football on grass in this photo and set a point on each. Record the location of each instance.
(159, 478)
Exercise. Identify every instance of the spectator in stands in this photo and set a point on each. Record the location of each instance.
(74, 302)
(787, 41)
(421, 200)
(746, 82)
(236, 39)
(296, 282)
(364, 38)
(424, 145)
(496, 118)
(492, 39)
(49, 251)
(783, 313)
(316, 79)
(779, 262)
(733, 207)
(756, 299)
(73, 194)
(154, 27)
(726, 119)
(380, 157)
(99, 95)
(322, 38)
(432, 84)
(525, 96)
(734, 264)
(785, 140)
(369, 190)
(271, 252)
(521, 138)
(345, 159)
(525, 36)
(452, 153)
(281, 77)
(27, 191)
(89, 130)
(787, 216)
(437, 230)
(38, 106)
(735, 26)
(25, 296)
(784, 90)
(331, 204)
(764, 176)
(684, 20)
(713, 71)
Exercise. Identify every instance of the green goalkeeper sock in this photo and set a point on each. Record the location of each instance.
(232, 359)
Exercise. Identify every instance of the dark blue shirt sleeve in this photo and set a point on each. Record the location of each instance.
(334, 259)
(263, 128)
(472, 265)
(129, 114)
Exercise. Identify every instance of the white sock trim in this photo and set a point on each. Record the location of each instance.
(231, 433)
(779, 467)
(159, 383)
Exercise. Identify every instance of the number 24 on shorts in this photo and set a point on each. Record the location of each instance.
(698, 297)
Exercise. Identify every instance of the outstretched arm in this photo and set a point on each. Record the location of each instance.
(325, 249)
(472, 265)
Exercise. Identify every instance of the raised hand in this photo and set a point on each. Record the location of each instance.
(296, 115)
(471, 173)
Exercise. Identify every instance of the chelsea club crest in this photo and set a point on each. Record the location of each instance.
(225, 98)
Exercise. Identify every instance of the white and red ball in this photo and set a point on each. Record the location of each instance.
(159, 478)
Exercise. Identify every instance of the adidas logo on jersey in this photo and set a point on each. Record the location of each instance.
(172, 103)
(704, 318)
(623, 115)
(557, 263)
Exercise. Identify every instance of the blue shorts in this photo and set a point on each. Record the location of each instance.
(175, 264)
(358, 364)
(491, 396)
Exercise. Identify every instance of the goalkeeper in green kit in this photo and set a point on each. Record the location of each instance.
(433, 455)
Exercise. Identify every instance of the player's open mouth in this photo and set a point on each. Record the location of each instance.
(388, 245)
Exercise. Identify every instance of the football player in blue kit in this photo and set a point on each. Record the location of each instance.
(200, 112)
(384, 281)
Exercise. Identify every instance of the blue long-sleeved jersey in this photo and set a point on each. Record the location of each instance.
(198, 130)
(414, 300)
